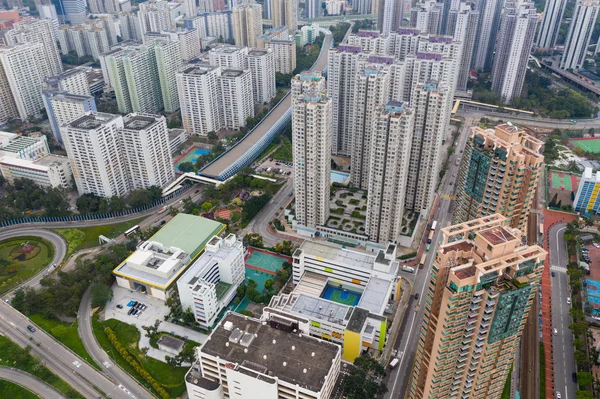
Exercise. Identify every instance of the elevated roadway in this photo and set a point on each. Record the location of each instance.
(29, 382)
(246, 150)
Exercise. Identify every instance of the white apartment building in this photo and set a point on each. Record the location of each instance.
(427, 17)
(145, 145)
(157, 15)
(248, 358)
(198, 88)
(430, 104)
(487, 28)
(310, 33)
(23, 147)
(93, 144)
(285, 54)
(52, 171)
(313, 8)
(285, 13)
(212, 24)
(390, 149)
(247, 24)
(63, 107)
(210, 283)
(190, 8)
(261, 63)
(227, 56)
(514, 42)
(129, 26)
(20, 64)
(236, 97)
(371, 89)
(38, 31)
(390, 14)
(334, 7)
(87, 39)
(550, 26)
(464, 31)
(311, 148)
(187, 38)
(167, 56)
(580, 32)
(72, 81)
(8, 108)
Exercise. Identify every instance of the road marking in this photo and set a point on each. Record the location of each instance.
(106, 364)
(402, 361)
(76, 364)
(556, 268)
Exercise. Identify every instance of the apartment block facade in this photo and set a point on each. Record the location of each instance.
(483, 282)
(261, 63)
(247, 24)
(499, 174)
(580, 33)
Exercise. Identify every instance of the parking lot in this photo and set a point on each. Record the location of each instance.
(276, 167)
(155, 310)
(594, 255)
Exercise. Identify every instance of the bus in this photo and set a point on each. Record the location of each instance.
(131, 230)
(422, 262)
(433, 225)
(430, 238)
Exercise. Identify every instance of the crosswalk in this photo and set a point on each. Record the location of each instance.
(556, 268)
(448, 196)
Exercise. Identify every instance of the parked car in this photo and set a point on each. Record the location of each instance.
(574, 377)
(555, 331)
(130, 312)
(596, 245)
(568, 301)
(585, 250)
(31, 328)
(553, 274)
(134, 303)
(162, 222)
(119, 306)
(416, 296)
(558, 395)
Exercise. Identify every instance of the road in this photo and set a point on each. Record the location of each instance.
(398, 379)
(80, 375)
(530, 120)
(564, 361)
(86, 334)
(29, 382)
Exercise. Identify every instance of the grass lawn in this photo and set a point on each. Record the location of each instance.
(87, 237)
(14, 391)
(65, 333)
(14, 356)
(17, 266)
(284, 152)
(171, 378)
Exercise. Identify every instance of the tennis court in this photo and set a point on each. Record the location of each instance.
(342, 296)
(265, 260)
(191, 156)
(587, 145)
(566, 181)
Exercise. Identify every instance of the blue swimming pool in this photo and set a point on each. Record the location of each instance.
(339, 177)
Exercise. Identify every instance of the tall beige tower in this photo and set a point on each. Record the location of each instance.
(483, 282)
(311, 147)
(247, 24)
(499, 173)
(285, 12)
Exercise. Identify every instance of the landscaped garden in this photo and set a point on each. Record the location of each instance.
(21, 258)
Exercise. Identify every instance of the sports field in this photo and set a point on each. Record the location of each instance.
(564, 181)
(588, 145)
(265, 260)
(342, 296)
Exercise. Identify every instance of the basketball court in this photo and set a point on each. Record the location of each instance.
(342, 296)
(562, 184)
(587, 145)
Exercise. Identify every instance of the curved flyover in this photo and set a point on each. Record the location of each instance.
(253, 144)
(29, 382)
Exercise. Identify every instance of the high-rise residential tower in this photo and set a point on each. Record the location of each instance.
(430, 102)
(247, 24)
(548, 31)
(489, 19)
(499, 174)
(483, 282)
(285, 12)
(155, 16)
(313, 8)
(236, 97)
(427, 17)
(390, 13)
(198, 87)
(311, 148)
(513, 45)
(391, 138)
(580, 32)
(261, 63)
(464, 30)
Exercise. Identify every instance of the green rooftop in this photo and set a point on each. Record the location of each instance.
(188, 232)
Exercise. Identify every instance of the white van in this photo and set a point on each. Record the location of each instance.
(408, 269)
(394, 363)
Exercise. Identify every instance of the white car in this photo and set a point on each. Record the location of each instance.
(555, 331)
(558, 395)
(568, 301)
(596, 245)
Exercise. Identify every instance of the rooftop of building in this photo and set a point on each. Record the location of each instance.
(65, 75)
(337, 254)
(375, 296)
(497, 235)
(70, 98)
(322, 309)
(198, 68)
(357, 320)
(254, 348)
(194, 376)
(43, 163)
(231, 73)
(139, 121)
(17, 142)
(257, 52)
(227, 49)
(188, 232)
(171, 342)
(92, 120)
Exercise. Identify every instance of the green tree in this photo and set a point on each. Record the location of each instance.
(206, 206)
(584, 395)
(186, 167)
(581, 359)
(253, 240)
(584, 379)
(100, 293)
(364, 380)
(212, 136)
(59, 331)
(451, 150)
(578, 328)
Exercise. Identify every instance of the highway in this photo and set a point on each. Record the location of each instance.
(564, 361)
(80, 375)
(530, 120)
(29, 382)
(397, 379)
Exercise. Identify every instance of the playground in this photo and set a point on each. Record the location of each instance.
(262, 265)
(191, 156)
(340, 295)
(587, 145)
(22, 258)
(562, 184)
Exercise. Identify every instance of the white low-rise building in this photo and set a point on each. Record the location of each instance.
(51, 171)
(24, 147)
(249, 359)
(211, 282)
